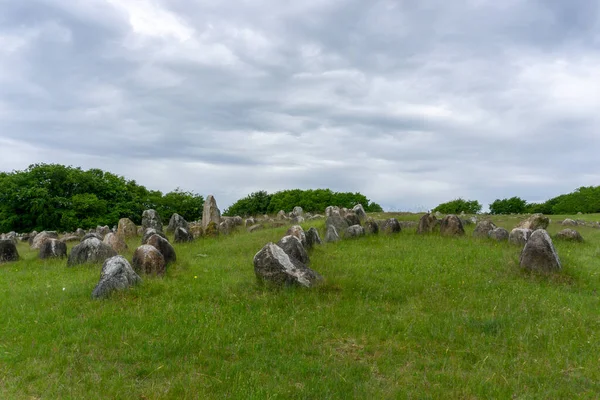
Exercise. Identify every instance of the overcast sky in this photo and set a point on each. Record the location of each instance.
(410, 102)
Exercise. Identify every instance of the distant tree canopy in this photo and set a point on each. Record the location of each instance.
(586, 199)
(57, 197)
(310, 200)
(514, 205)
(458, 206)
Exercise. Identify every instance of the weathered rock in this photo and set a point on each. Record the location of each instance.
(569, 235)
(39, 239)
(177, 221)
(359, 211)
(498, 234)
(451, 226)
(91, 250)
(539, 254)
(315, 217)
(53, 248)
(355, 231)
(519, 236)
(8, 251)
(371, 227)
(294, 248)
(80, 232)
(297, 219)
(182, 235)
(281, 215)
(298, 232)
(249, 222)
(164, 247)
(92, 235)
(210, 212)
(70, 239)
(534, 222)
(352, 219)
(483, 229)
(103, 230)
(338, 222)
(151, 219)
(148, 233)
(298, 211)
(273, 265)
(126, 228)
(438, 215)
(569, 222)
(226, 226)
(427, 224)
(332, 210)
(196, 230)
(140, 230)
(116, 242)
(312, 238)
(211, 230)
(391, 225)
(148, 260)
(331, 235)
(255, 228)
(116, 274)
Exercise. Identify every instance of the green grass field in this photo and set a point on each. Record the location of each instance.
(400, 316)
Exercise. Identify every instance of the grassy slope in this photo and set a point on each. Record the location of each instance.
(399, 316)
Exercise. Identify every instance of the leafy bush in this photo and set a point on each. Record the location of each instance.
(458, 206)
(514, 205)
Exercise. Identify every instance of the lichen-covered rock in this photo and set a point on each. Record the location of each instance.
(116, 274)
(148, 233)
(352, 219)
(539, 254)
(226, 226)
(210, 212)
(499, 234)
(39, 239)
(569, 235)
(359, 211)
(53, 248)
(116, 242)
(371, 227)
(249, 222)
(177, 221)
(281, 215)
(164, 247)
(569, 222)
(338, 222)
(182, 235)
(483, 229)
(80, 232)
(148, 260)
(427, 224)
(294, 248)
(273, 265)
(126, 228)
(331, 235)
(196, 230)
(8, 251)
(151, 219)
(355, 231)
(451, 225)
(102, 230)
(332, 210)
(312, 238)
(91, 250)
(211, 230)
(297, 212)
(298, 232)
(391, 225)
(519, 236)
(534, 222)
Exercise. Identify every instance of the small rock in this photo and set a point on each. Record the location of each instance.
(569, 235)
(371, 227)
(539, 253)
(391, 225)
(332, 235)
(483, 229)
(534, 222)
(519, 236)
(164, 247)
(499, 234)
(451, 226)
(312, 238)
(148, 260)
(427, 224)
(355, 231)
(273, 265)
(182, 235)
(298, 232)
(116, 274)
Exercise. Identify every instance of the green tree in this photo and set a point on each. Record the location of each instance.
(458, 206)
(514, 205)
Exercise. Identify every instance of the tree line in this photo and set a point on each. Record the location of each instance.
(64, 198)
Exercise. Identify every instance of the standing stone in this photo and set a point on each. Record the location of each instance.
(297, 219)
(355, 231)
(298, 211)
(483, 229)
(164, 247)
(294, 248)
(103, 230)
(273, 265)
(210, 212)
(53, 248)
(91, 250)
(116, 242)
(151, 232)
(177, 221)
(534, 222)
(427, 223)
(249, 222)
(148, 260)
(332, 235)
(80, 232)
(41, 237)
(338, 222)
(312, 237)
(116, 274)
(569, 222)
(352, 219)
(391, 225)
(281, 215)
(499, 234)
(371, 227)
(183, 236)
(8, 251)
(126, 228)
(451, 226)
(539, 253)
(332, 210)
(519, 236)
(359, 211)
(298, 232)
(569, 235)
(151, 219)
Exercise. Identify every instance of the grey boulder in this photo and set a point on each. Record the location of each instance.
(294, 248)
(116, 274)
(519, 236)
(53, 248)
(273, 265)
(91, 250)
(539, 253)
(8, 251)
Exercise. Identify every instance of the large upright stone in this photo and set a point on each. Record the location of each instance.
(539, 254)
(164, 247)
(451, 225)
(359, 211)
(483, 229)
(177, 221)
(534, 222)
(332, 210)
(338, 222)
(148, 233)
(273, 265)
(427, 223)
(116, 242)
(41, 237)
(298, 212)
(519, 236)
(148, 260)
(116, 274)
(126, 228)
(151, 219)
(312, 237)
(91, 250)
(8, 251)
(53, 248)
(210, 212)
(294, 248)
